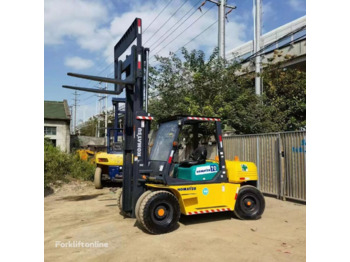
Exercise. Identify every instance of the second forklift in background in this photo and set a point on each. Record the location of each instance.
(109, 165)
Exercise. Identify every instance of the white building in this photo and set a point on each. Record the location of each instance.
(57, 123)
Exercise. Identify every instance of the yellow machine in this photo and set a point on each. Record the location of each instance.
(158, 187)
(109, 167)
(86, 155)
(211, 198)
(196, 185)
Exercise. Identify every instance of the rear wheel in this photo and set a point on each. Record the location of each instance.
(159, 212)
(98, 178)
(250, 203)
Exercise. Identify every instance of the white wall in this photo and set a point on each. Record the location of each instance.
(62, 134)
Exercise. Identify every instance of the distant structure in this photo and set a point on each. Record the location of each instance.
(286, 43)
(57, 123)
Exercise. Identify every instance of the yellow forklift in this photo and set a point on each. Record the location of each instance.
(109, 165)
(157, 187)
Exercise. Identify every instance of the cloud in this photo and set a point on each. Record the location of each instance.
(268, 10)
(297, 5)
(164, 36)
(76, 62)
(91, 26)
(76, 19)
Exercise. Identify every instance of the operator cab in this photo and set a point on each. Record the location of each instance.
(115, 141)
(185, 150)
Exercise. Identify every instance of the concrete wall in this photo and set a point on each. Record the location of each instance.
(62, 136)
(91, 140)
(292, 55)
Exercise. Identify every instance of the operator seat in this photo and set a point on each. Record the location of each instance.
(197, 157)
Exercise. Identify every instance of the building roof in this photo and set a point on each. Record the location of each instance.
(56, 110)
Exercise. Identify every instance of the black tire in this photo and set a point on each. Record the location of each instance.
(119, 195)
(98, 178)
(138, 203)
(250, 203)
(159, 212)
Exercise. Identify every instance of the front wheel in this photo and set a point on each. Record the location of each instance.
(98, 178)
(250, 203)
(159, 212)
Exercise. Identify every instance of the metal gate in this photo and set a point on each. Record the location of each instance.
(280, 159)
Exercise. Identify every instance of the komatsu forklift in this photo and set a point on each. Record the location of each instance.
(157, 187)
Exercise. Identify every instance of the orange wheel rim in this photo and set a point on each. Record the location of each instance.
(161, 212)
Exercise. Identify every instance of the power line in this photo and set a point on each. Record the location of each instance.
(157, 16)
(162, 26)
(183, 31)
(170, 33)
(194, 37)
(197, 36)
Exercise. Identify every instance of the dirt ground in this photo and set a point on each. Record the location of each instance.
(79, 212)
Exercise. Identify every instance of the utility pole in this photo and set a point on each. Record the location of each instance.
(75, 110)
(257, 34)
(106, 118)
(222, 29)
(221, 25)
(99, 112)
(71, 122)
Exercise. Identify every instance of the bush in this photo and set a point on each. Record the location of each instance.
(60, 166)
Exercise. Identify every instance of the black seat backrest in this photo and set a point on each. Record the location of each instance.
(198, 157)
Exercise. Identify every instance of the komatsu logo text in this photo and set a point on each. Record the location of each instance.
(139, 141)
(186, 188)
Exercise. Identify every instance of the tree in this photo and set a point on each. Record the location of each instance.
(196, 86)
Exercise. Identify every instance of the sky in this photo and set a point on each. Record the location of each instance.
(79, 35)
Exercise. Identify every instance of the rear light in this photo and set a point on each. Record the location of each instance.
(102, 160)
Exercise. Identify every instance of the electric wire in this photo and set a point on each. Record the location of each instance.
(162, 26)
(171, 41)
(157, 16)
(194, 38)
(171, 32)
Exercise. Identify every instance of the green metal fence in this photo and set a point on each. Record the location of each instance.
(280, 159)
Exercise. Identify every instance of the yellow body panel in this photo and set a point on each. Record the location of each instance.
(112, 159)
(240, 171)
(86, 155)
(203, 198)
(209, 198)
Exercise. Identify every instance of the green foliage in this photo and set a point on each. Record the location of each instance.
(285, 97)
(89, 127)
(215, 87)
(59, 167)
